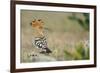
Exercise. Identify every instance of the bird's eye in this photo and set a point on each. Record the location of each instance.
(39, 19)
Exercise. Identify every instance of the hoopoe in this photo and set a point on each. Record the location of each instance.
(40, 40)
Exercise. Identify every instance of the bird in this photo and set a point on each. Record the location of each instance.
(39, 40)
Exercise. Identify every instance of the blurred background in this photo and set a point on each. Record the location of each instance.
(67, 35)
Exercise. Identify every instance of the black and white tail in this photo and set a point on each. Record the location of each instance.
(48, 50)
(41, 43)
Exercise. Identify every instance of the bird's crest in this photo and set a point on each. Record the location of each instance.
(37, 25)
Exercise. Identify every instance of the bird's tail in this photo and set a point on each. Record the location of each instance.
(48, 50)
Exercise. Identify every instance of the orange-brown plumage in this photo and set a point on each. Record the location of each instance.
(37, 25)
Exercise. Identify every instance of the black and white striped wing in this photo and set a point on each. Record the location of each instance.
(40, 43)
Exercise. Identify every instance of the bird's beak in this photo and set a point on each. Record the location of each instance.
(31, 24)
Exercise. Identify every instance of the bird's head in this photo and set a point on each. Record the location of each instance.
(37, 24)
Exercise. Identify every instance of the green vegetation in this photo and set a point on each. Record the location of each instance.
(80, 53)
(84, 23)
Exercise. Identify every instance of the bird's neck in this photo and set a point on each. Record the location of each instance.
(38, 33)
